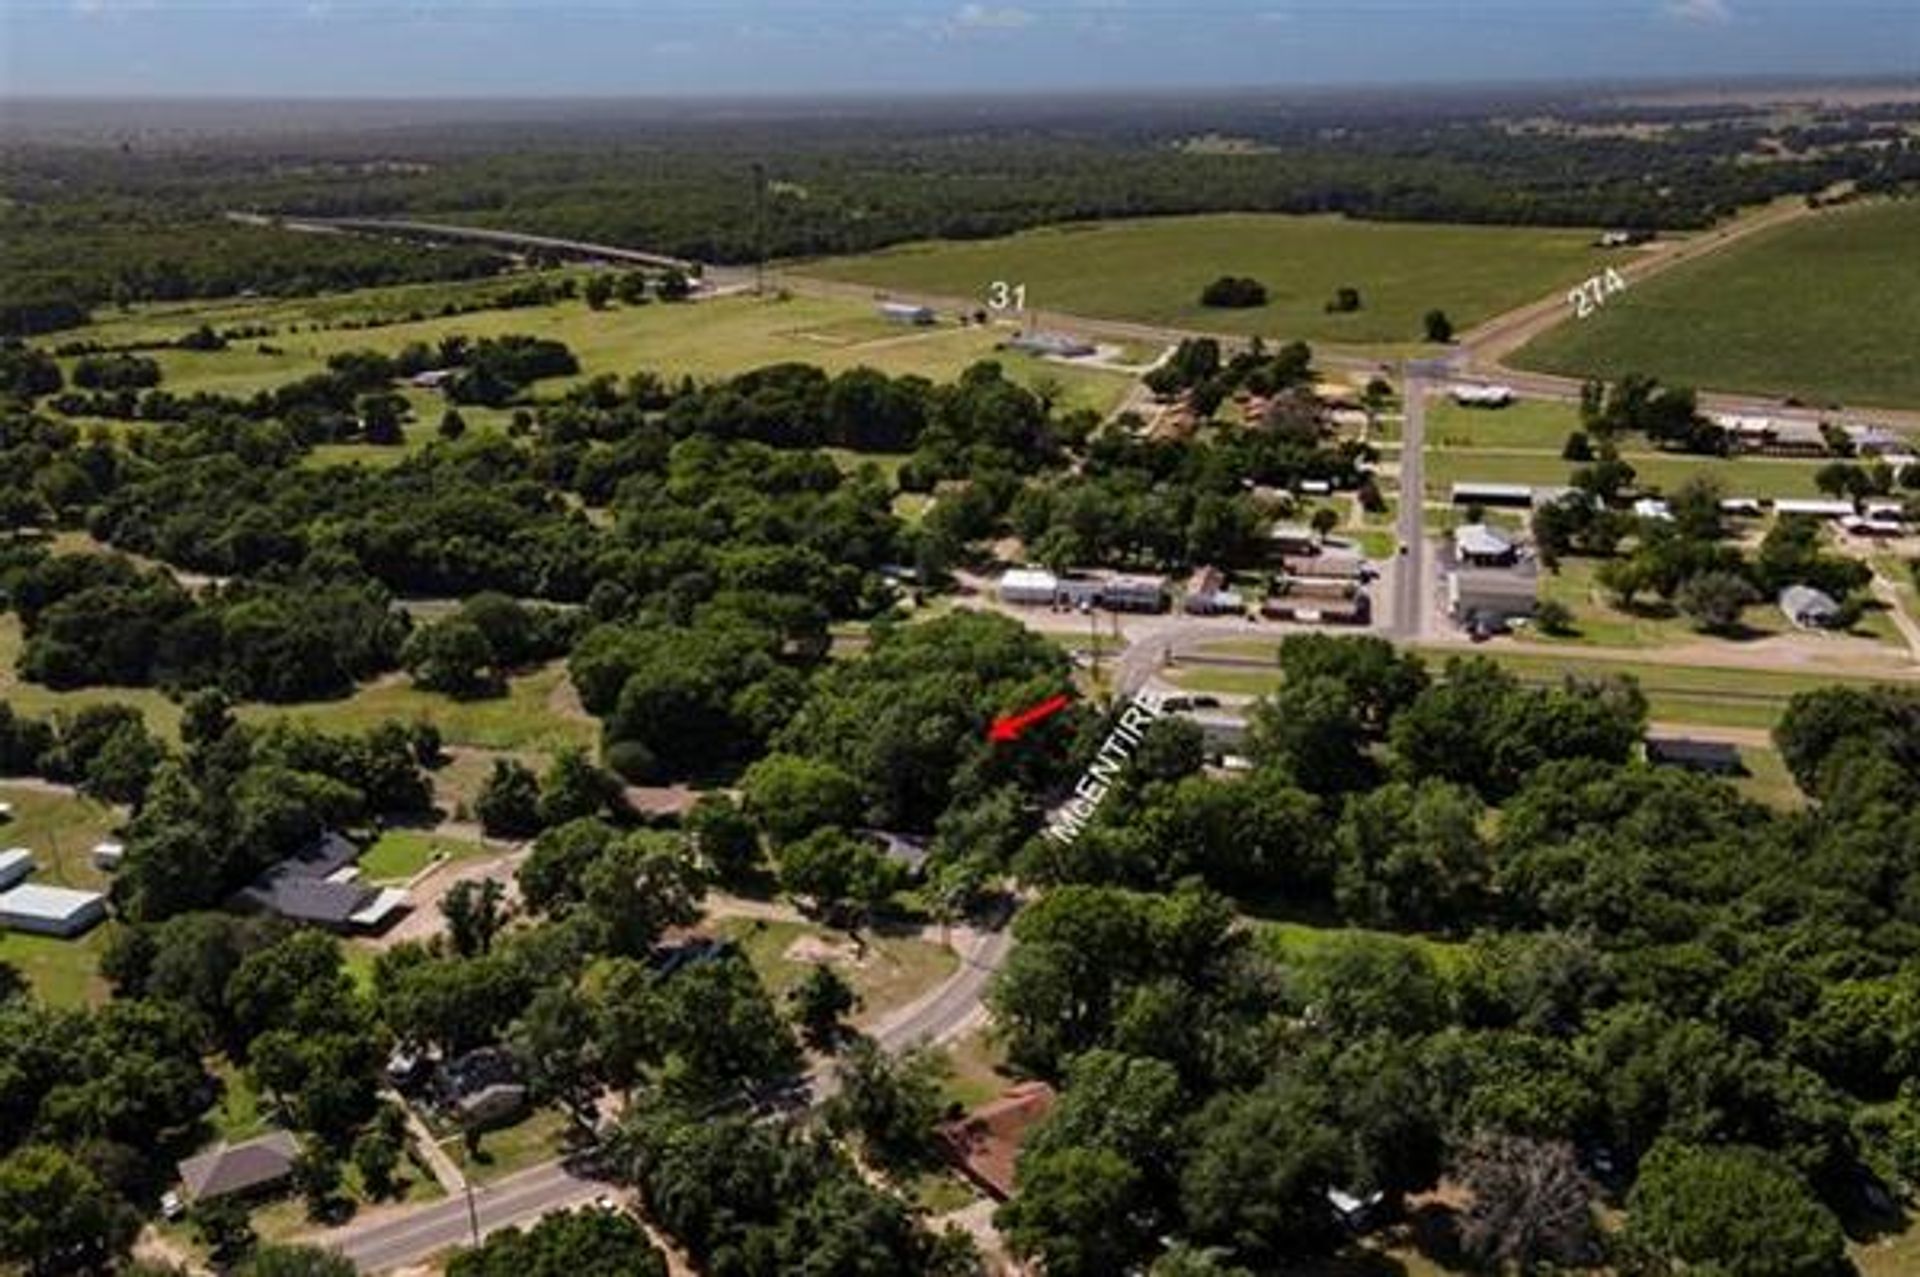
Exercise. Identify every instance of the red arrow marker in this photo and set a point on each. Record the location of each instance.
(1009, 726)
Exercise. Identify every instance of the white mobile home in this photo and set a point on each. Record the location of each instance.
(51, 911)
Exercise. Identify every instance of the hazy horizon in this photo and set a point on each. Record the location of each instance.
(674, 49)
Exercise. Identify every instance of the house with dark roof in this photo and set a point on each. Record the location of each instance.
(257, 1166)
(481, 1088)
(985, 1144)
(320, 887)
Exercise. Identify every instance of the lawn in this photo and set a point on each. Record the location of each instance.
(399, 854)
(1152, 270)
(163, 716)
(895, 970)
(978, 1071)
(536, 1138)
(60, 830)
(701, 339)
(63, 973)
(1697, 694)
(1536, 424)
(1303, 942)
(1757, 477)
(535, 714)
(1824, 309)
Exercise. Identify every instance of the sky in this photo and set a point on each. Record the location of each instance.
(557, 48)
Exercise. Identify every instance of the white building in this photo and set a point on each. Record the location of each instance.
(51, 911)
(1813, 509)
(107, 856)
(1470, 396)
(1029, 587)
(1808, 608)
(15, 863)
(1653, 508)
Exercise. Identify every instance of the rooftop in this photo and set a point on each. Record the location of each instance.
(236, 1168)
(35, 900)
(986, 1142)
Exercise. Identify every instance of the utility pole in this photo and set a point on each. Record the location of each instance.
(473, 1213)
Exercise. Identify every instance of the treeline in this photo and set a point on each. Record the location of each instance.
(59, 261)
(99, 620)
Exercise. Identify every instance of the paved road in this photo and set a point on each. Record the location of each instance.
(478, 234)
(943, 1013)
(1408, 605)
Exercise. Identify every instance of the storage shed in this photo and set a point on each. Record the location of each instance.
(15, 863)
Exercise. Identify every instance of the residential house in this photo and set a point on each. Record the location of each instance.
(319, 887)
(482, 1088)
(1812, 509)
(255, 1167)
(985, 1144)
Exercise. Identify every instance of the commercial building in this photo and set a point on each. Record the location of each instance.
(1490, 598)
(51, 911)
(1207, 594)
(1813, 509)
(1029, 587)
(1515, 495)
(1134, 594)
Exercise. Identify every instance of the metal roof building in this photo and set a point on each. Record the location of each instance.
(15, 864)
(51, 911)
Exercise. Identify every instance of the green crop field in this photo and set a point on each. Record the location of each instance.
(1825, 309)
(1153, 270)
(702, 339)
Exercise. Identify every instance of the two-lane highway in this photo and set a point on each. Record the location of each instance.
(1408, 604)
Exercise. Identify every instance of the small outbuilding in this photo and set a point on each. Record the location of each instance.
(1712, 757)
(15, 864)
(1810, 508)
(52, 911)
(1471, 396)
(907, 313)
(1808, 608)
(108, 856)
(1053, 345)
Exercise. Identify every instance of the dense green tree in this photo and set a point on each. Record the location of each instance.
(1075, 1210)
(1734, 1209)
(509, 802)
(565, 1244)
(56, 1216)
(819, 1001)
(889, 1103)
(1412, 856)
(791, 797)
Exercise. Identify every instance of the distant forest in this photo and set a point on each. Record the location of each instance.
(89, 224)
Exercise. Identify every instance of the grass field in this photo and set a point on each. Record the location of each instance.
(1757, 477)
(1152, 270)
(895, 970)
(1694, 694)
(702, 339)
(399, 854)
(60, 830)
(163, 715)
(1527, 423)
(533, 715)
(1824, 309)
